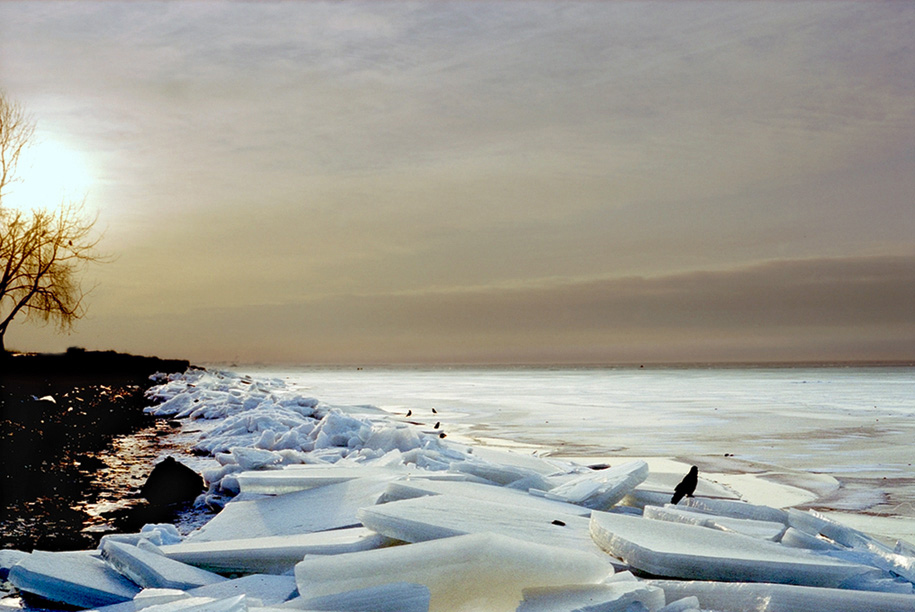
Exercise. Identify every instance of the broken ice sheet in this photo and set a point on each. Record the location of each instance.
(272, 554)
(610, 597)
(440, 516)
(302, 477)
(483, 571)
(391, 597)
(328, 507)
(152, 570)
(79, 579)
(744, 597)
(600, 489)
(675, 550)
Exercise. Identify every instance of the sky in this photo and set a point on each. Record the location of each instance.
(466, 182)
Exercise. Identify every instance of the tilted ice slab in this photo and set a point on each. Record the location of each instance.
(763, 530)
(600, 489)
(152, 570)
(481, 571)
(80, 579)
(610, 597)
(677, 550)
(268, 590)
(392, 597)
(442, 516)
(328, 507)
(658, 489)
(763, 597)
(302, 477)
(735, 509)
(418, 487)
(272, 554)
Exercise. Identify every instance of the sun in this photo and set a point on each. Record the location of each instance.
(48, 173)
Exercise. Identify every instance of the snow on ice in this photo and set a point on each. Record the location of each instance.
(346, 508)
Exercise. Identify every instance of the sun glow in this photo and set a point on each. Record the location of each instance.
(47, 174)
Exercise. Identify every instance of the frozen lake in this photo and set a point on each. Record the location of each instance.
(855, 424)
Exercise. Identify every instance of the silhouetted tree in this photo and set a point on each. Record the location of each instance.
(42, 252)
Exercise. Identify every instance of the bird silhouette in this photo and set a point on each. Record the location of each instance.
(687, 486)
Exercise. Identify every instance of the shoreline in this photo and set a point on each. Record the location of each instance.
(59, 414)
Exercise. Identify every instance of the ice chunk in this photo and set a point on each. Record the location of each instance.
(441, 516)
(392, 597)
(736, 509)
(687, 604)
(676, 550)
(418, 487)
(299, 478)
(501, 474)
(9, 558)
(269, 590)
(202, 604)
(272, 554)
(474, 572)
(328, 507)
(151, 597)
(601, 489)
(742, 597)
(79, 579)
(151, 570)
(610, 597)
(798, 539)
(764, 530)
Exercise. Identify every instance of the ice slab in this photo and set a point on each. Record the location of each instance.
(611, 597)
(152, 570)
(80, 579)
(392, 597)
(744, 597)
(328, 507)
(763, 530)
(9, 558)
(202, 604)
(269, 590)
(600, 489)
(442, 516)
(687, 604)
(482, 571)
(272, 554)
(736, 509)
(302, 477)
(418, 487)
(677, 550)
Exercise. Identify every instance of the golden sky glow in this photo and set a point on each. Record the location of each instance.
(482, 181)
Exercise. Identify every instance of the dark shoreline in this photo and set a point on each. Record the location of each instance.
(59, 414)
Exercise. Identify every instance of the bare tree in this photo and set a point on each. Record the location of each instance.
(42, 251)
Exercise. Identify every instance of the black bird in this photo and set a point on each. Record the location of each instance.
(437, 425)
(687, 486)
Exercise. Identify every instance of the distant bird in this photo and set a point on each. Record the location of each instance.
(409, 413)
(687, 486)
(437, 425)
(436, 412)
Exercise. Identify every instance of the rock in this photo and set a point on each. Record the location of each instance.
(171, 482)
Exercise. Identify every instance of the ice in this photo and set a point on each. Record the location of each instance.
(675, 550)
(611, 597)
(482, 571)
(237, 603)
(272, 554)
(265, 589)
(79, 579)
(442, 516)
(302, 477)
(762, 597)
(9, 558)
(798, 539)
(687, 604)
(764, 530)
(418, 487)
(601, 489)
(391, 597)
(328, 507)
(735, 509)
(151, 570)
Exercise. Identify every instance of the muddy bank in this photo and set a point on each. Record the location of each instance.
(60, 416)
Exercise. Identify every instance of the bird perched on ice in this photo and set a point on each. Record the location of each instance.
(687, 486)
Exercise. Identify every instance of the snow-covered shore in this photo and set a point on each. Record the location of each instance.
(351, 508)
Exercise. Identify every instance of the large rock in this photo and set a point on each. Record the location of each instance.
(171, 482)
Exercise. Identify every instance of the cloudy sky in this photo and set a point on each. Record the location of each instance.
(363, 182)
